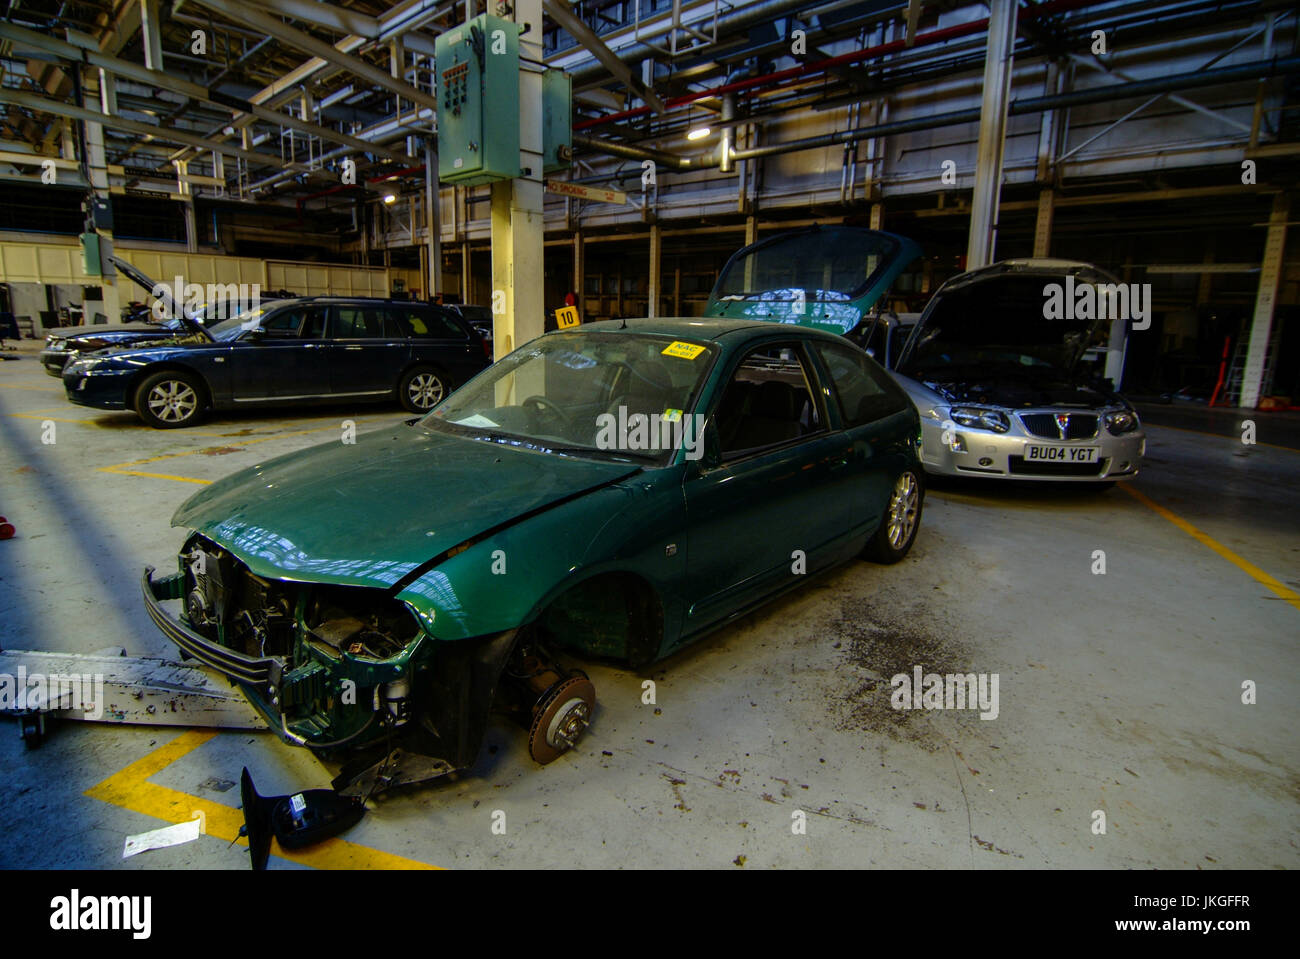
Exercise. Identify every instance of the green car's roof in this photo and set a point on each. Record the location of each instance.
(687, 327)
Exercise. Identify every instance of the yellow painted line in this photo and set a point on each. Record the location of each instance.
(45, 416)
(1250, 569)
(130, 789)
(162, 476)
(1217, 436)
(31, 389)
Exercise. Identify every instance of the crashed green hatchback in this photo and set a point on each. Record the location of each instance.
(616, 491)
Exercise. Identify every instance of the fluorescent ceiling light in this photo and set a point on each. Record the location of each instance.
(699, 133)
(390, 198)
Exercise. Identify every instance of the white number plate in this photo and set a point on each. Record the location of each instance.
(1061, 454)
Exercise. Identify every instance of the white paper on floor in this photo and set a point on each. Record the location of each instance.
(162, 838)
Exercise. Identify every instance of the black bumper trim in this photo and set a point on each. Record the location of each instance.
(262, 672)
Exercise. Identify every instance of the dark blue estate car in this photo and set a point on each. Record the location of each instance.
(303, 350)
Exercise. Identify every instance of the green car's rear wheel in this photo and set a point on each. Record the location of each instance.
(897, 531)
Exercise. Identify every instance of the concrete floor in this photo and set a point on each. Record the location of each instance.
(1118, 692)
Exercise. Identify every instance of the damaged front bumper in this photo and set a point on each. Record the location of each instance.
(263, 673)
(409, 717)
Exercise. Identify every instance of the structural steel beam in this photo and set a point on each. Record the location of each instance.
(274, 27)
(329, 16)
(133, 71)
(151, 34)
(32, 102)
(992, 138)
(561, 14)
(410, 15)
(517, 210)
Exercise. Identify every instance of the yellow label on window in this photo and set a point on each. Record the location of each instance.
(685, 351)
(672, 416)
(567, 316)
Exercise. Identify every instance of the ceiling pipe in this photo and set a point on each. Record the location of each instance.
(1259, 70)
(630, 152)
(726, 147)
(751, 14)
(855, 56)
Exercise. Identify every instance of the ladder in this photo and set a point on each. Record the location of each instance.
(1236, 372)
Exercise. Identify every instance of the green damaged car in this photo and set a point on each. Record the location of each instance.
(615, 491)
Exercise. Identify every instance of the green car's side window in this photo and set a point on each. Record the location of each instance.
(768, 402)
(863, 392)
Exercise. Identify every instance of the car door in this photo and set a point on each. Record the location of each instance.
(367, 351)
(872, 412)
(757, 511)
(279, 359)
(445, 340)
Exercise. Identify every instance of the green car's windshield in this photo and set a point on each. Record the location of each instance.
(624, 396)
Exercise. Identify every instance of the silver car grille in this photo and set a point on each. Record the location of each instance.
(1061, 426)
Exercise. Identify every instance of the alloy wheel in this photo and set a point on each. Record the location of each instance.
(425, 390)
(172, 401)
(902, 510)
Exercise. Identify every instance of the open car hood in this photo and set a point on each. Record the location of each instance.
(822, 277)
(369, 513)
(96, 329)
(146, 283)
(991, 323)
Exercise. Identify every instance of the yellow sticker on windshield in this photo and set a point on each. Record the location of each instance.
(672, 416)
(685, 351)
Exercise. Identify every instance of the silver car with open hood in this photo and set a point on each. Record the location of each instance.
(1010, 385)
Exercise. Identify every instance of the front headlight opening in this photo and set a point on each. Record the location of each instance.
(975, 418)
(1121, 421)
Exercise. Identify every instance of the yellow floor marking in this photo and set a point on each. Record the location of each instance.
(33, 389)
(121, 468)
(1250, 569)
(161, 476)
(1219, 436)
(130, 789)
(46, 416)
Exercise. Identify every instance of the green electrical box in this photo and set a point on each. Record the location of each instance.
(557, 121)
(478, 101)
(90, 258)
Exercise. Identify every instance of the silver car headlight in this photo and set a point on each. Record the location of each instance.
(974, 417)
(1121, 421)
